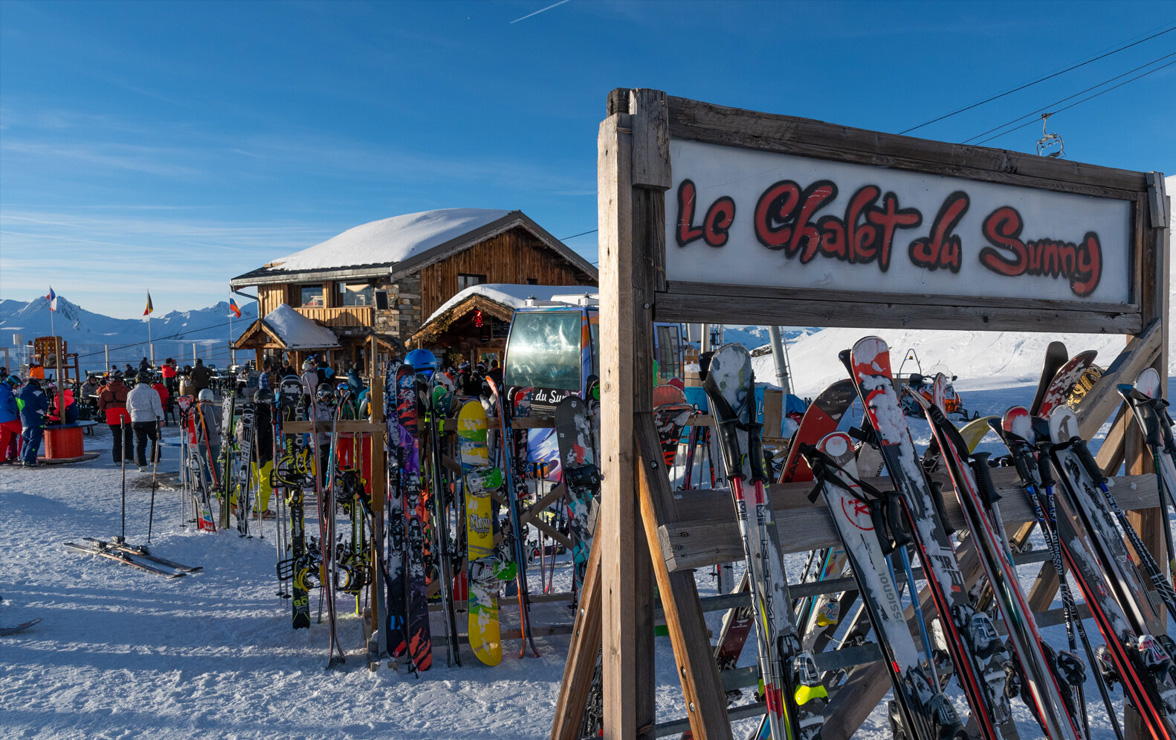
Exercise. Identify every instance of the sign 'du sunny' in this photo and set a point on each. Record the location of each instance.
(742, 217)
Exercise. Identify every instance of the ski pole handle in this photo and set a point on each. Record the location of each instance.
(1083, 452)
(983, 476)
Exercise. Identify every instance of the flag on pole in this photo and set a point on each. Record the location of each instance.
(149, 308)
(234, 308)
(52, 298)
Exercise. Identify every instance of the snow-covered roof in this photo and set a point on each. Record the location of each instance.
(389, 240)
(515, 296)
(401, 245)
(299, 332)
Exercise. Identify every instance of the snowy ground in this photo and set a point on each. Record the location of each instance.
(124, 654)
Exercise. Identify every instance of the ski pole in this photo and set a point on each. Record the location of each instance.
(122, 425)
(154, 468)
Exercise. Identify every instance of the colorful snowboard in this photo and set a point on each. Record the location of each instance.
(482, 596)
(581, 478)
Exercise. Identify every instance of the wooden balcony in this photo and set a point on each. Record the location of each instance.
(343, 316)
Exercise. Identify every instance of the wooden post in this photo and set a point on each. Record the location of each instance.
(618, 526)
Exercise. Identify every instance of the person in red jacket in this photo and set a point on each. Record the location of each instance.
(113, 402)
(164, 400)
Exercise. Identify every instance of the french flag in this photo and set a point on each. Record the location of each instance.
(52, 298)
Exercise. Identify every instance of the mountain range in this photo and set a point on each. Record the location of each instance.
(202, 332)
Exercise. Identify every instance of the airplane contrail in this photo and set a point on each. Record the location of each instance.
(537, 12)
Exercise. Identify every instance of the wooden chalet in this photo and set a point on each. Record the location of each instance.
(383, 278)
(473, 324)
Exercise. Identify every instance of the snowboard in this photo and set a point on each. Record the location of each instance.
(581, 477)
(4, 631)
(482, 584)
(419, 638)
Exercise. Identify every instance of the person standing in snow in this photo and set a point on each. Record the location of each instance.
(146, 413)
(9, 421)
(34, 405)
(113, 402)
(200, 377)
(310, 381)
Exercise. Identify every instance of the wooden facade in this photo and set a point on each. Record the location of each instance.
(511, 257)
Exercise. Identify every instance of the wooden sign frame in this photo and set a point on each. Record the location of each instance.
(615, 617)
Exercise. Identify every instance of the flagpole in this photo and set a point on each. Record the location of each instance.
(150, 344)
(232, 352)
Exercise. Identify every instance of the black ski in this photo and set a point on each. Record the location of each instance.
(142, 552)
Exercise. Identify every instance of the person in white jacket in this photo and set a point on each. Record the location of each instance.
(146, 413)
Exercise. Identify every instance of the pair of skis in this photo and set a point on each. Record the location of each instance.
(792, 689)
(135, 556)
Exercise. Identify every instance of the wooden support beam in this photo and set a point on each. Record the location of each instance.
(583, 654)
(701, 686)
(701, 542)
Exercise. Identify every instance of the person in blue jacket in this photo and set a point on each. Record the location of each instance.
(32, 419)
(9, 420)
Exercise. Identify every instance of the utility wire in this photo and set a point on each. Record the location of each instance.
(1069, 97)
(175, 335)
(1083, 100)
(1037, 81)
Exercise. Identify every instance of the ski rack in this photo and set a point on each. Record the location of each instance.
(640, 536)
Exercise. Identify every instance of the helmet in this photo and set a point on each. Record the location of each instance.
(143, 377)
(13, 380)
(308, 364)
(205, 395)
(324, 393)
(422, 361)
(265, 395)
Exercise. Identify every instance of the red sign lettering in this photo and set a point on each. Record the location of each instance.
(1081, 264)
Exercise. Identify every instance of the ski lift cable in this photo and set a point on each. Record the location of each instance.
(1042, 109)
(175, 335)
(1079, 102)
(1038, 81)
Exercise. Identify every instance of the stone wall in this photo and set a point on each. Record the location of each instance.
(403, 316)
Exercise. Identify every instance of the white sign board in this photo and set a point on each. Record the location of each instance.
(742, 217)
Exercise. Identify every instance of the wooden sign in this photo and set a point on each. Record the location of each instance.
(746, 217)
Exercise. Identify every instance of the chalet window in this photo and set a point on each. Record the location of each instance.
(465, 280)
(312, 296)
(356, 294)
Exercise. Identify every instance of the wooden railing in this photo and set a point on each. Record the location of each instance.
(341, 316)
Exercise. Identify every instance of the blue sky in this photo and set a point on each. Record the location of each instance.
(169, 146)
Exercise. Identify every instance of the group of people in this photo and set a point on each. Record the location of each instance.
(26, 407)
(134, 415)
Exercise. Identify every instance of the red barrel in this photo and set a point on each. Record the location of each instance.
(63, 442)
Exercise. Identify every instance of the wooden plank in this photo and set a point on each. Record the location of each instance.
(1102, 399)
(583, 653)
(698, 543)
(651, 139)
(702, 308)
(698, 121)
(617, 527)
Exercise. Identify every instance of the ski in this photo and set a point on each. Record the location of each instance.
(440, 400)
(870, 527)
(141, 551)
(125, 559)
(1145, 397)
(976, 651)
(1056, 356)
(5, 631)
(395, 540)
(1062, 386)
(794, 694)
(1015, 430)
(244, 479)
(1090, 492)
(978, 500)
(518, 536)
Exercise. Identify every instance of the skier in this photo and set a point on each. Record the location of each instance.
(71, 407)
(170, 373)
(34, 406)
(310, 380)
(165, 398)
(146, 413)
(113, 402)
(200, 377)
(9, 420)
(88, 394)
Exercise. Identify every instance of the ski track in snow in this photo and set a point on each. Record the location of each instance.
(126, 654)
